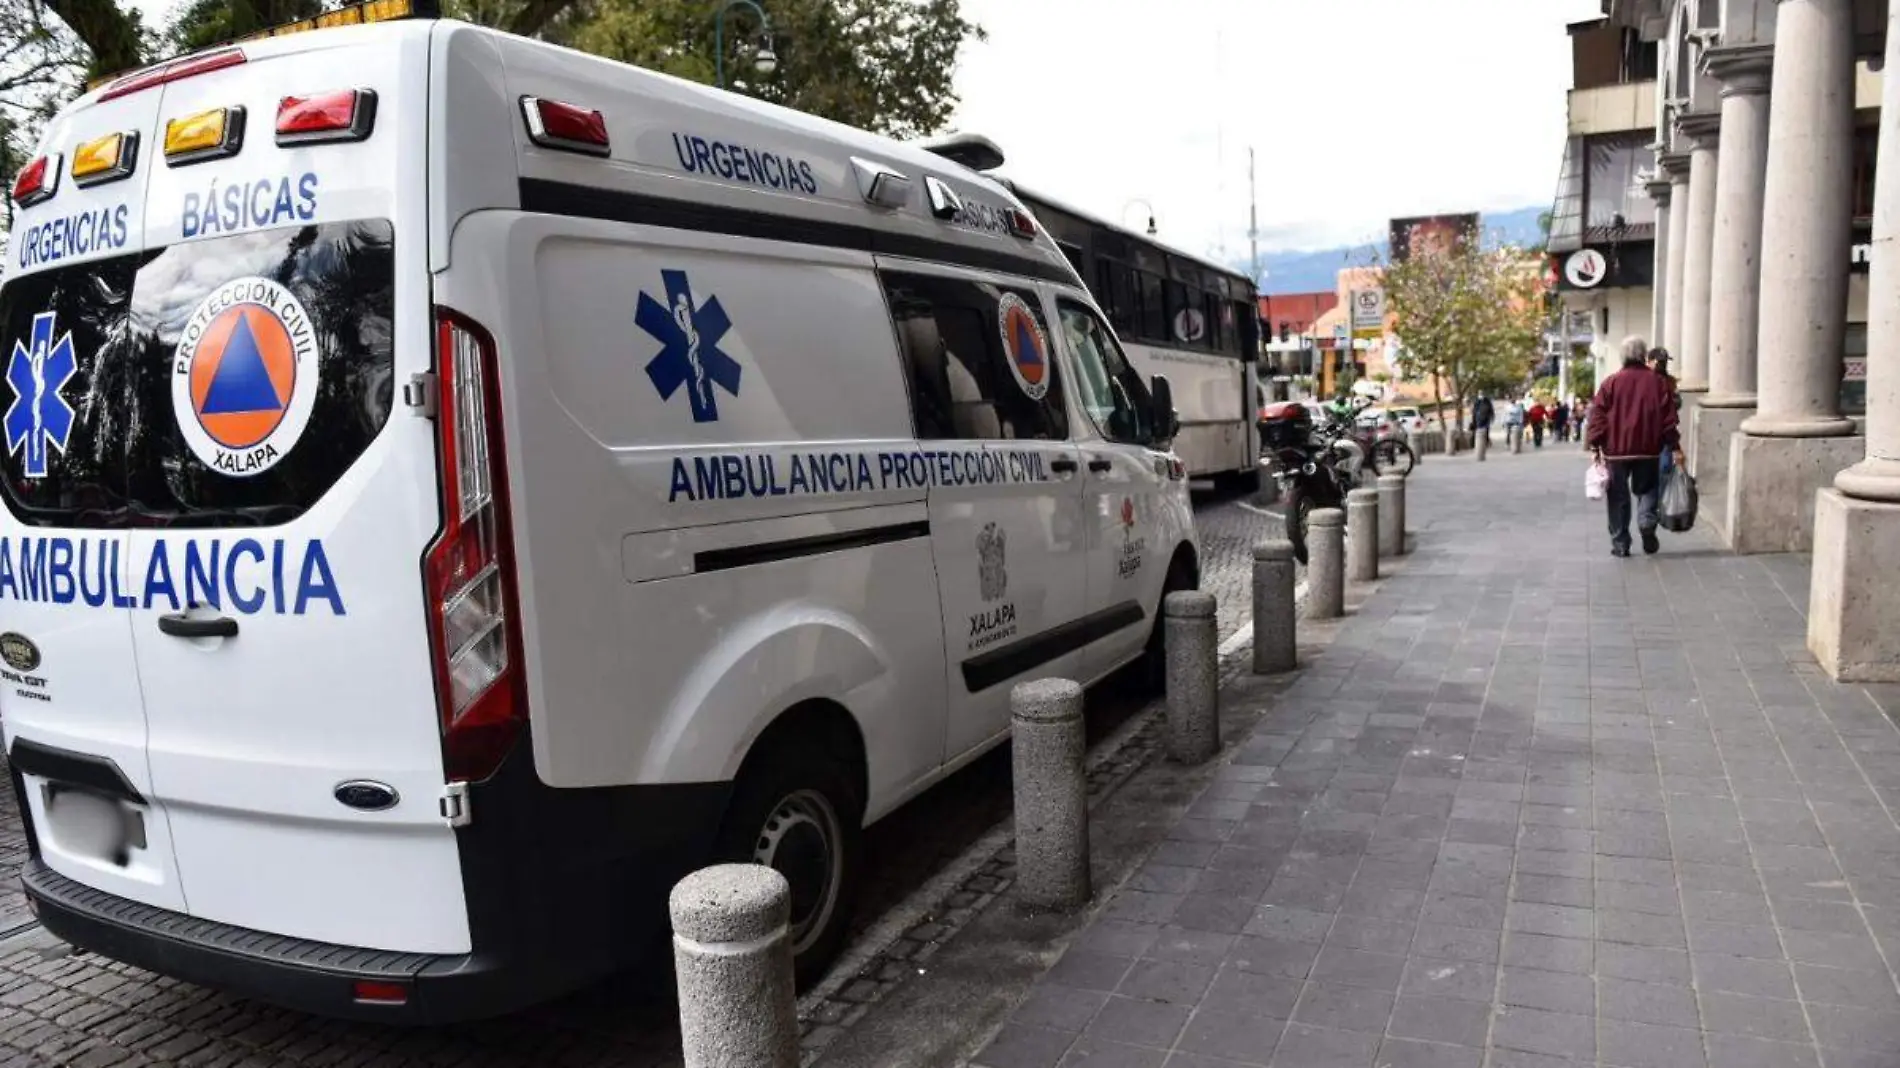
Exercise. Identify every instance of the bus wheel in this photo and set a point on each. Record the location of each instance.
(796, 811)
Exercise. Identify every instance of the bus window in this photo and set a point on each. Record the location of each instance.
(1154, 309)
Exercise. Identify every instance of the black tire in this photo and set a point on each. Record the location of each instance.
(796, 809)
(1297, 504)
(1393, 457)
(1154, 657)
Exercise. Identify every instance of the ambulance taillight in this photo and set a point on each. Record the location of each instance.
(37, 180)
(315, 118)
(470, 570)
(568, 127)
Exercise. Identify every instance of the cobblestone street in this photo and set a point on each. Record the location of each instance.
(1533, 806)
(56, 1008)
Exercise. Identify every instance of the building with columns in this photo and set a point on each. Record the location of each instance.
(1778, 290)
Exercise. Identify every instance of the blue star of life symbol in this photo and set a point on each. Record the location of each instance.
(39, 416)
(690, 356)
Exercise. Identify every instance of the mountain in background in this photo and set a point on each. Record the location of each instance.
(1317, 270)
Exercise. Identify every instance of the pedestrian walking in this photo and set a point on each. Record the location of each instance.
(1535, 417)
(1580, 415)
(1560, 420)
(1632, 421)
(1659, 363)
(1482, 413)
(1514, 424)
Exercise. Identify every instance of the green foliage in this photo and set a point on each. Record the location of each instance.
(882, 65)
(203, 23)
(43, 64)
(1470, 317)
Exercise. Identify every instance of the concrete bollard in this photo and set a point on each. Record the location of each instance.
(1193, 653)
(1483, 443)
(1362, 535)
(1392, 515)
(732, 953)
(1052, 814)
(1273, 635)
(1516, 435)
(1325, 563)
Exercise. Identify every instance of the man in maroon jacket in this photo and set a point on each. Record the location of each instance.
(1632, 420)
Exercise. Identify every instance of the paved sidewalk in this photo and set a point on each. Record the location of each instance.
(1534, 806)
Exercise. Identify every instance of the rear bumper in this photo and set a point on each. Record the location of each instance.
(562, 887)
(311, 976)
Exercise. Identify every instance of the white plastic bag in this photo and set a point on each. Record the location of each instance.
(1596, 481)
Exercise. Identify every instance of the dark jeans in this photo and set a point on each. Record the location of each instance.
(1638, 478)
(1537, 435)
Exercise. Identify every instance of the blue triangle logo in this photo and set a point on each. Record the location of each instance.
(241, 382)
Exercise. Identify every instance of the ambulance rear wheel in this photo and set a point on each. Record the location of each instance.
(796, 811)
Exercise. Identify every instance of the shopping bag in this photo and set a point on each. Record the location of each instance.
(1596, 480)
(1676, 508)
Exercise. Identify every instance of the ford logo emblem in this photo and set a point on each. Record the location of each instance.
(19, 651)
(366, 796)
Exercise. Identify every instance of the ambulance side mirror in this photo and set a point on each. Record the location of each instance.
(1166, 423)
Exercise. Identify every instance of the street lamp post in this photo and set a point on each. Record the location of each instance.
(1151, 213)
(765, 61)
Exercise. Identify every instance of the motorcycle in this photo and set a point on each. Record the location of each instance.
(1315, 466)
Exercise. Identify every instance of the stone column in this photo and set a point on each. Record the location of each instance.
(1853, 617)
(1735, 264)
(1691, 363)
(1676, 170)
(1795, 442)
(1659, 288)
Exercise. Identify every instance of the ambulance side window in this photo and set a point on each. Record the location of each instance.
(967, 382)
(1112, 393)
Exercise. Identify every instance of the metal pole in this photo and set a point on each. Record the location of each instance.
(1253, 217)
(1563, 355)
(719, 46)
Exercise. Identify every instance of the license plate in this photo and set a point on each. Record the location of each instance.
(88, 825)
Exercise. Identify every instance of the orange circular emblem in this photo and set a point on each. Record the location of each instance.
(243, 375)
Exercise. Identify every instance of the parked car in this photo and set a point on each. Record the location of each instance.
(1379, 422)
(1409, 417)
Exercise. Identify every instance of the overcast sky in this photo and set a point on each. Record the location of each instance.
(1358, 110)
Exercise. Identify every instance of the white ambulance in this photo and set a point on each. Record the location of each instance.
(455, 486)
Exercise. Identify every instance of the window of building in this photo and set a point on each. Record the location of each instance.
(1613, 162)
(1112, 394)
(962, 383)
(1854, 370)
(1866, 144)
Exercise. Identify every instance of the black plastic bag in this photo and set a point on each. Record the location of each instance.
(1676, 508)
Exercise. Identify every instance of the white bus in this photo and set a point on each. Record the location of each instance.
(1177, 315)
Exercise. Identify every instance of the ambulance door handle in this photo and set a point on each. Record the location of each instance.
(1062, 465)
(179, 625)
(1100, 466)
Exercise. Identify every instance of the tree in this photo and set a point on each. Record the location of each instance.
(1470, 317)
(881, 65)
(43, 63)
